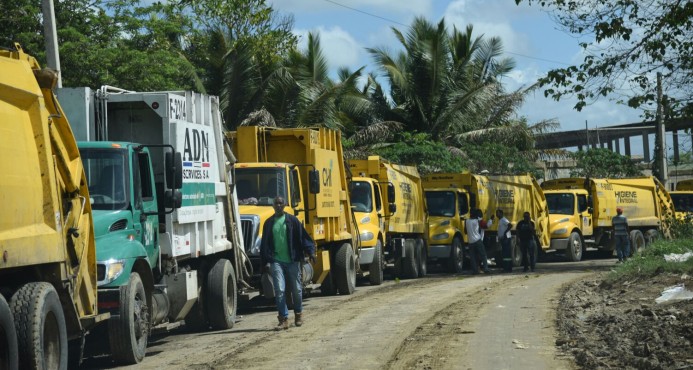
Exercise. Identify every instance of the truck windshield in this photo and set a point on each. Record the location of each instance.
(561, 203)
(361, 196)
(106, 171)
(683, 202)
(259, 186)
(440, 203)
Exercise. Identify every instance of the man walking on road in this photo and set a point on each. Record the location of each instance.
(475, 238)
(526, 232)
(284, 244)
(505, 239)
(620, 224)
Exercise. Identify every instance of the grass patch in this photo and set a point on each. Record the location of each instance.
(650, 261)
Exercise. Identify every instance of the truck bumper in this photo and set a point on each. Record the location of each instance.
(366, 255)
(559, 244)
(109, 301)
(439, 251)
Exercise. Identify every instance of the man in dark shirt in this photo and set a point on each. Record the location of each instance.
(525, 232)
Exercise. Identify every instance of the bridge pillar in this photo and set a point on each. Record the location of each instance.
(676, 146)
(626, 144)
(610, 145)
(618, 145)
(645, 146)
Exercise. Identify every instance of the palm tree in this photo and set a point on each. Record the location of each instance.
(448, 83)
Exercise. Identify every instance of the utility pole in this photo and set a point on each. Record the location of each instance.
(661, 135)
(51, 38)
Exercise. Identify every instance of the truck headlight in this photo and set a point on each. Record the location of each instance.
(441, 236)
(560, 231)
(114, 268)
(366, 220)
(445, 223)
(366, 236)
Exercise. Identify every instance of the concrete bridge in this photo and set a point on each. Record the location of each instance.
(615, 138)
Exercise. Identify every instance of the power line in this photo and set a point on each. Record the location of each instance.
(367, 13)
(406, 25)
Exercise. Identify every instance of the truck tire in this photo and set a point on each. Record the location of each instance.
(345, 269)
(637, 241)
(410, 263)
(128, 332)
(40, 324)
(221, 302)
(328, 287)
(456, 260)
(651, 236)
(9, 355)
(574, 250)
(423, 257)
(375, 270)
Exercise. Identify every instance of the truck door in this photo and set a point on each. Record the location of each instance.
(295, 194)
(145, 207)
(377, 196)
(584, 214)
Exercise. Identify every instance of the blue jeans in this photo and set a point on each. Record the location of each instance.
(528, 247)
(622, 247)
(283, 272)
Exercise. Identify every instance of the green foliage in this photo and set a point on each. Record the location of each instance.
(632, 39)
(418, 149)
(680, 227)
(650, 261)
(498, 159)
(603, 163)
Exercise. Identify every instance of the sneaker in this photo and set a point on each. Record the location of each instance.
(283, 323)
(298, 319)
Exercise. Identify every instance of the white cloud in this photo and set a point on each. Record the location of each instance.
(489, 18)
(339, 47)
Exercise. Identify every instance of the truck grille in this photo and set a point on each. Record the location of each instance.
(248, 230)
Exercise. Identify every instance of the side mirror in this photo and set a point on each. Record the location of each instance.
(173, 199)
(391, 193)
(590, 210)
(174, 170)
(314, 181)
(393, 208)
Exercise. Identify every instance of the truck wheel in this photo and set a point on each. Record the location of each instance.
(410, 263)
(375, 270)
(574, 250)
(129, 331)
(423, 257)
(637, 241)
(328, 286)
(345, 273)
(41, 331)
(456, 260)
(651, 236)
(8, 338)
(221, 295)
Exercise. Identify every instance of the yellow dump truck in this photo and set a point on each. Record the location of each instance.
(390, 210)
(306, 168)
(47, 263)
(683, 198)
(581, 210)
(450, 198)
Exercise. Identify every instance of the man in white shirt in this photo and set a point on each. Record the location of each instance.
(505, 239)
(474, 227)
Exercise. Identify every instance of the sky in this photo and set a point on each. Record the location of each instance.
(529, 36)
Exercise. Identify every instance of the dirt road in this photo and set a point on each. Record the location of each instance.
(497, 321)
